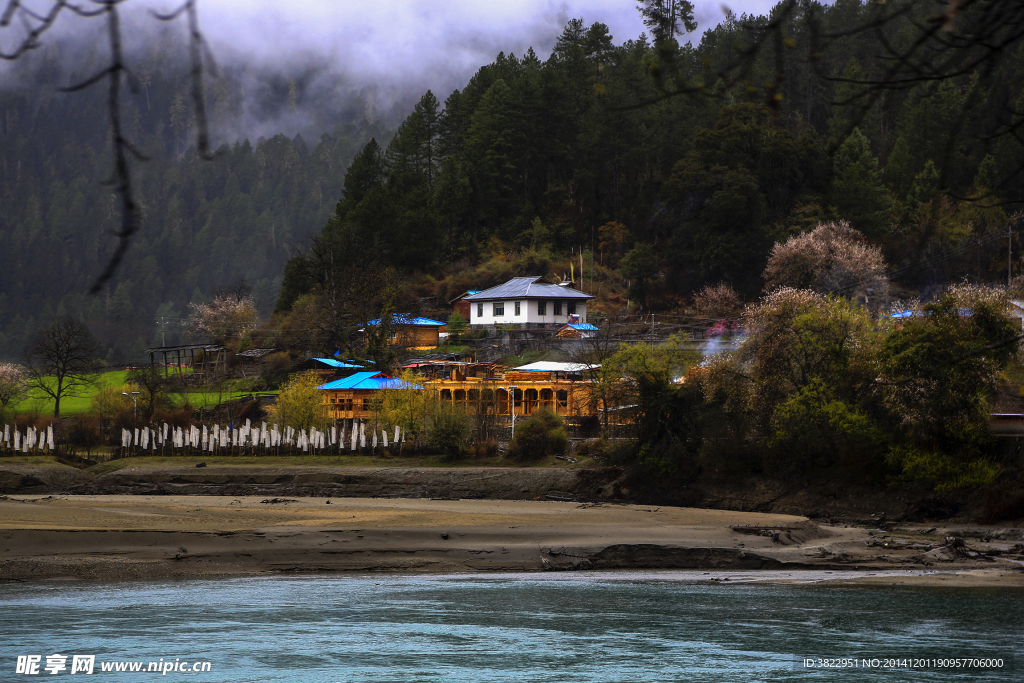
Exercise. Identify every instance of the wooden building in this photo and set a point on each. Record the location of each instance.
(201, 359)
(461, 306)
(352, 397)
(576, 331)
(480, 389)
(564, 388)
(417, 334)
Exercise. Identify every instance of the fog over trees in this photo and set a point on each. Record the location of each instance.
(704, 162)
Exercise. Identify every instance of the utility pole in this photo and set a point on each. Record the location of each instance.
(162, 322)
(512, 399)
(135, 400)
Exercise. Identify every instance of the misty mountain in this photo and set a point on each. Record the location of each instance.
(206, 224)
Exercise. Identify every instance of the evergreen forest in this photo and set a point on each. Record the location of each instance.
(532, 165)
(206, 224)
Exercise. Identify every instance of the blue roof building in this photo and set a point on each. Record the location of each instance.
(353, 396)
(413, 332)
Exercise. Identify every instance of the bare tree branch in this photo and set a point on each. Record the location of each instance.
(36, 24)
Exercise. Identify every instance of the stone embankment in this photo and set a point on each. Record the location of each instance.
(494, 483)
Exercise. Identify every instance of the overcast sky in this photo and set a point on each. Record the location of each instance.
(423, 41)
(418, 40)
(396, 48)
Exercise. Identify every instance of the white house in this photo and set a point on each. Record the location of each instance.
(528, 302)
(1017, 311)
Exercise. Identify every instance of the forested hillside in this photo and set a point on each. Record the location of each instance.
(532, 161)
(205, 224)
(581, 152)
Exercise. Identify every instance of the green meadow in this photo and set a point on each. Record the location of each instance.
(201, 397)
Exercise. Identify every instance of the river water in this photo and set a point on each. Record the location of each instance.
(594, 626)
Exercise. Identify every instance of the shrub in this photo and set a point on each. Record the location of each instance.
(450, 429)
(813, 425)
(541, 435)
(299, 404)
(945, 472)
(84, 433)
(484, 449)
(110, 403)
(274, 371)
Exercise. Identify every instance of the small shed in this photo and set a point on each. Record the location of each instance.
(201, 358)
(576, 331)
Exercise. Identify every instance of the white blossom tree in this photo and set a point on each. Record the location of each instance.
(833, 258)
(228, 316)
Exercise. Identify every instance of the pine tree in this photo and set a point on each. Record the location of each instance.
(857, 189)
(365, 172)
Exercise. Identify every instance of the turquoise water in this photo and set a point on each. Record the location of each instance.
(644, 626)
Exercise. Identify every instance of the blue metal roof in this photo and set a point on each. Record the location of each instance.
(583, 327)
(402, 319)
(962, 311)
(336, 363)
(530, 287)
(369, 380)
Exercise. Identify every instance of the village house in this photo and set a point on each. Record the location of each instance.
(479, 389)
(527, 302)
(414, 333)
(353, 397)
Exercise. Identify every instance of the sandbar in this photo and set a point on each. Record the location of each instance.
(117, 537)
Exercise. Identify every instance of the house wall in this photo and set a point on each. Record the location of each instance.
(489, 397)
(533, 391)
(1018, 314)
(416, 336)
(340, 404)
(527, 312)
(462, 307)
(412, 336)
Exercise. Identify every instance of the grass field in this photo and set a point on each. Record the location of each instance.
(38, 402)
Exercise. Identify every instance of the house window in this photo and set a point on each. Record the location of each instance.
(366, 404)
(479, 310)
(499, 309)
(517, 308)
(542, 307)
(348, 404)
(570, 308)
(558, 308)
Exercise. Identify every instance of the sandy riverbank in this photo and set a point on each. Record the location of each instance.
(116, 537)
